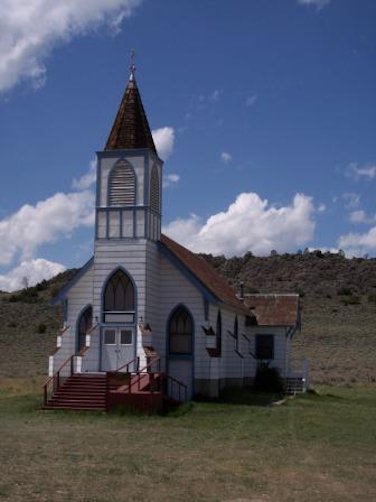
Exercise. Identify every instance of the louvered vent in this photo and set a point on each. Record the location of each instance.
(154, 190)
(121, 187)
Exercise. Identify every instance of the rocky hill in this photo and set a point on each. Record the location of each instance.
(338, 298)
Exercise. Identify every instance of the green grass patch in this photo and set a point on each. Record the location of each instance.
(317, 447)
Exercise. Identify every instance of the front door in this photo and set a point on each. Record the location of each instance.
(117, 347)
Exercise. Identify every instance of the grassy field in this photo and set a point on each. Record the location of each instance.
(312, 448)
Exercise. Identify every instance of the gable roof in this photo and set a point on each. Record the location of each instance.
(130, 128)
(205, 274)
(274, 309)
(77, 276)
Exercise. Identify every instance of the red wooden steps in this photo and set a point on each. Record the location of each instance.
(80, 392)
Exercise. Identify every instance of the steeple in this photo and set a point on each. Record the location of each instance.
(130, 129)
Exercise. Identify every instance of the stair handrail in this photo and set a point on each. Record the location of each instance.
(63, 330)
(56, 376)
(140, 373)
(180, 385)
(126, 365)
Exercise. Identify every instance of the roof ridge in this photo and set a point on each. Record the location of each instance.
(215, 283)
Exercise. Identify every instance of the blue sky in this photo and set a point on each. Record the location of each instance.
(263, 110)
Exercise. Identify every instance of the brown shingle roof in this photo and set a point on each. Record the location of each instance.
(205, 273)
(131, 128)
(274, 310)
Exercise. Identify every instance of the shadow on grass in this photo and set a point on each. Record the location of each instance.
(244, 396)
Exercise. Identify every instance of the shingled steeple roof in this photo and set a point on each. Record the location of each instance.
(130, 128)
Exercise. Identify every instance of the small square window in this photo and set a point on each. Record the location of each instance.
(126, 337)
(265, 346)
(109, 337)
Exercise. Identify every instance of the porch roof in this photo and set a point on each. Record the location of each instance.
(274, 309)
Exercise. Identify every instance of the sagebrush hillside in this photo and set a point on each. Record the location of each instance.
(316, 273)
(338, 298)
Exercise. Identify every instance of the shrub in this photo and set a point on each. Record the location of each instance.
(372, 298)
(350, 300)
(41, 328)
(268, 379)
(344, 291)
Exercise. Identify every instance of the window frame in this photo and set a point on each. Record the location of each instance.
(267, 348)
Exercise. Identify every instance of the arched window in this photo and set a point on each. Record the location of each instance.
(119, 293)
(154, 190)
(218, 333)
(122, 185)
(84, 324)
(180, 332)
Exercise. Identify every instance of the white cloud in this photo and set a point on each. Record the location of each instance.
(248, 224)
(164, 138)
(49, 220)
(170, 179)
(32, 272)
(88, 179)
(31, 29)
(226, 158)
(351, 200)
(360, 216)
(366, 171)
(215, 95)
(358, 244)
(321, 208)
(319, 4)
(251, 100)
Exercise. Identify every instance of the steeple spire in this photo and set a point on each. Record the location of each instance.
(132, 67)
(131, 128)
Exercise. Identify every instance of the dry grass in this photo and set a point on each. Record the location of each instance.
(338, 340)
(314, 447)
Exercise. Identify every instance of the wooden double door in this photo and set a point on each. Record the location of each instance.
(118, 347)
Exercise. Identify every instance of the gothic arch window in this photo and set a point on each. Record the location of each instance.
(218, 333)
(122, 185)
(180, 332)
(85, 322)
(154, 190)
(119, 293)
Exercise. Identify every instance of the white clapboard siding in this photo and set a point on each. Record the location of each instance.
(79, 296)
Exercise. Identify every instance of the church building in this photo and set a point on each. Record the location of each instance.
(144, 306)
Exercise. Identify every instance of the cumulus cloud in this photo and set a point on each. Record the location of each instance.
(49, 220)
(319, 4)
(31, 29)
(29, 273)
(248, 224)
(170, 179)
(88, 179)
(360, 216)
(358, 244)
(226, 158)
(164, 138)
